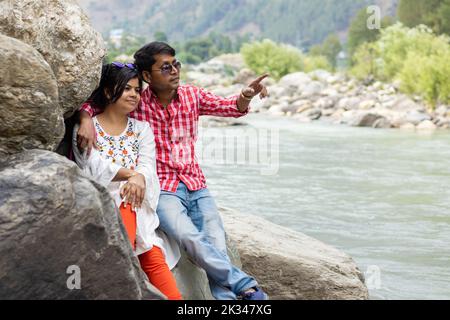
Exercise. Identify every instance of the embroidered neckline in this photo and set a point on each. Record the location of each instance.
(127, 132)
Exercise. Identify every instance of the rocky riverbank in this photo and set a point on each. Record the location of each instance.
(321, 95)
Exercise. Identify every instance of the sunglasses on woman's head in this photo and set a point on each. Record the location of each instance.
(121, 65)
(167, 68)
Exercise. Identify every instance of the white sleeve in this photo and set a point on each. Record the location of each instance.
(100, 170)
(147, 165)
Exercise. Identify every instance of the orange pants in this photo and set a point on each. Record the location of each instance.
(153, 261)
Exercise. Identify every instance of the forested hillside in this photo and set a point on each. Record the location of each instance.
(301, 23)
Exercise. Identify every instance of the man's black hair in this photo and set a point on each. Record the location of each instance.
(113, 81)
(144, 58)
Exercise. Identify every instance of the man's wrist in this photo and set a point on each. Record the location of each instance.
(85, 116)
(243, 105)
(243, 96)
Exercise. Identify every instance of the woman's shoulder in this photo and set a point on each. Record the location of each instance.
(96, 123)
(139, 125)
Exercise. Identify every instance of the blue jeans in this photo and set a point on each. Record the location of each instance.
(192, 219)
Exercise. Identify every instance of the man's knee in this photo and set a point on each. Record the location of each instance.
(169, 211)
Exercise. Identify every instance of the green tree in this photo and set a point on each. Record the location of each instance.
(415, 56)
(359, 33)
(428, 76)
(311, 63)
(198, 50)
(222, 43)
(443, 17)
(411, 12)
(128, 46)
(160, 36)
(276, 59)
(330, 48)
(433, 13)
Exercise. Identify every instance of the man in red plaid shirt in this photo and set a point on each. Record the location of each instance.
(186, 210)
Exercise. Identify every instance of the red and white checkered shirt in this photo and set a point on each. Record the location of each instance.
(176, 130)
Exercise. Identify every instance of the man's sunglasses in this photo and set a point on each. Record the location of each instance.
(167, 68)
(121, 65)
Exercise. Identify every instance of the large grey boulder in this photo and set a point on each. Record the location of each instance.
(415, 117)
(405, 104)
(366, 118)
(291, 265)
(426, 125)
(244, 76)
(311, 89)
(54, 220)
(204, 80)
(235, 61)
(30, 114)
(320, 75)
(192, 280)
(294, 80)
(62, 33)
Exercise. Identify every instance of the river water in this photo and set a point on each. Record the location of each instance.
(380, 195)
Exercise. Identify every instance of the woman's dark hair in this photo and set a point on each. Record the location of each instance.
(113, 81)
(144, 58)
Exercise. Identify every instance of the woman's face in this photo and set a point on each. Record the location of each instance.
(129, 100)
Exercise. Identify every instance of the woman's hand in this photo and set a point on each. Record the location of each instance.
(134, 190)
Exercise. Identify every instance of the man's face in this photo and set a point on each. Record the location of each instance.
(165, 73)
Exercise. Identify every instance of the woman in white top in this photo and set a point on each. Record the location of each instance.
(124, 162)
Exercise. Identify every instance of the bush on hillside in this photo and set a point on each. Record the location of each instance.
(276, 59)
(427, 75)
(280, 59)
(311, 63)
(416, 56)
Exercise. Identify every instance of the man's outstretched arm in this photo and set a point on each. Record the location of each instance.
(236, 106)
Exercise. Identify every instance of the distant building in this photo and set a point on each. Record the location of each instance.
(123, 58)
(342, 60)
(115, 37)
